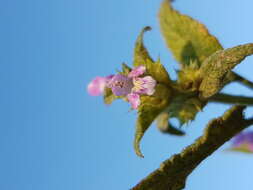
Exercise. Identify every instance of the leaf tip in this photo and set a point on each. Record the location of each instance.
(147, 28)
(138, 151)
(137, 146)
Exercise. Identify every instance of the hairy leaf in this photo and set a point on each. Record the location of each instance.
(215, 69)
(150, 108)
(142, 57)
(188, 39)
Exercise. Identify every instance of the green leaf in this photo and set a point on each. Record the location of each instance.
(125, 69)
(153, 68)
(188, 39)
(215, 69)
(141, 55)
(162, 122)
(109, 97)
(150, 108)
(189, 77)
(158, 72)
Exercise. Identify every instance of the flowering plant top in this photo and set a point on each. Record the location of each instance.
(205, 68)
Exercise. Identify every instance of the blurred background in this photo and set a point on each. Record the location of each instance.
(54, 136)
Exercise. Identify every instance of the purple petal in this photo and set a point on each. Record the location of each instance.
(137, 71)
(243, 140)
(238, 139)
(249, 137)
(120, 85)
(145, 85)
(134, 100)
(96, 86)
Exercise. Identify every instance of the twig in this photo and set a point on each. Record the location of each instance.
(234, 77)
(231, 99)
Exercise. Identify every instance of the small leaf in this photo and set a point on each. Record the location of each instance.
(109, 97)
(162, 122)
(146, 116)
(150, 108)
(158, 72)
(216, 67)
(142, 57)
(189, 77)
(188, 39)
(125, 69)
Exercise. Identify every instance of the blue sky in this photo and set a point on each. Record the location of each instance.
(54, 136)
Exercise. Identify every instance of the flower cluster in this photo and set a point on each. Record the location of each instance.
(243, 141)
(131, 86)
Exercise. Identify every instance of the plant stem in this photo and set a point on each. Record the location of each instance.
(232, 99)
(234, 77)
(172, 173)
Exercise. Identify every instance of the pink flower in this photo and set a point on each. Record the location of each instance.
(141, 86)
(145, 85)
(120, 85)
(131, 86)
(134, 100)
(97, 85)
